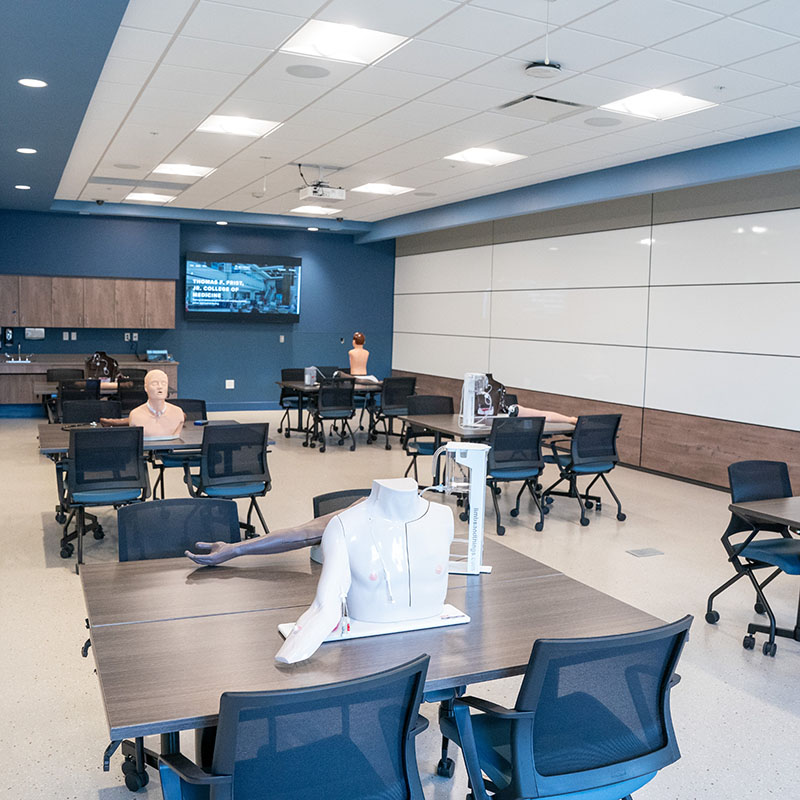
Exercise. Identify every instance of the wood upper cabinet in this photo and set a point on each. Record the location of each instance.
(129, 300)
(160, 304)
(36, 301)
(68, 303)
(9, 300)
(98, 303)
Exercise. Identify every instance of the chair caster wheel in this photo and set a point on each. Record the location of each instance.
(749, 642)
(497, 490)
(463, 516)
(340, 442)
(598, 507)
(501, 531)
(712, 617)
(539, 527)
(769, 649)
(128, 766)
(514, 512)
(352, 448)
(286, 435)
(136, 780)
(584, 521)
(590, 504)
(387, 447)
(99, 533)
(759, 608)
(446, 768)
(305, 444)
(622, 517)
(548, 500)
(67, 550)
(61, 518)
(322, 449)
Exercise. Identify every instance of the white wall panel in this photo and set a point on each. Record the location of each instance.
(751, 248)
(605, 258)
(606, 316)
(448, 356)
(761, 390)
(460, 313)
(597, 372)
(757, 318)
(464, 270)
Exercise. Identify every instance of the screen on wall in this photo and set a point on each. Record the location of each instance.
(222, 286)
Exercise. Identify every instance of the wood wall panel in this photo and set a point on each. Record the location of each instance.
(129, 303)
(9, 300)
(36, 301)
(98, 302)
(67, 302)
(160, 304)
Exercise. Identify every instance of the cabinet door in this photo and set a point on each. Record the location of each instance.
(129, 298)
(36, 301)
(68, 302)
(9, 300)
(98, 302)
(160, 304)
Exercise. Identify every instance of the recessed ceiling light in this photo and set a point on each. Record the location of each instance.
(26, 151)
(22, 186)
(485, 156)
(312, 229)
(758, 229)
(602, 122)
(382, 188)
(184, 169)
(313, 210)
(307, 71)
(32, 83)
(647, 241)
(149, 197)
(221, 222)
(339, 42)
(127, 166)
(658, 104)
(237, 126)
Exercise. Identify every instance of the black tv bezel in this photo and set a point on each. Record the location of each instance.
(217, 316)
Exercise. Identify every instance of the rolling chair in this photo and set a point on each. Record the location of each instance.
(65, 374)
(515, 455)
(352, 740)
(334, 403)
(131, 394)
(593, 451)
(105, 467)
(751, 481)
(77, 411)
(132, 374)
(591, 720)
(422, 441)
(394, 403)
(78, 389)
(233, 464)
(289, 399)
(193, 410)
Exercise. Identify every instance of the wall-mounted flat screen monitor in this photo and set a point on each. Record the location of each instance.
(222, 286)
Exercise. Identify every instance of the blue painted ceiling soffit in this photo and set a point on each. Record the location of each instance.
(62, 42)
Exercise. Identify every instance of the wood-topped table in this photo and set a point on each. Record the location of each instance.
(781, 510)
(449, 424)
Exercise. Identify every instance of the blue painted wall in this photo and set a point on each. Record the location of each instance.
(345, 287)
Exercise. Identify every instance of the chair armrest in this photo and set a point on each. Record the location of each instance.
(420, 725)
(189, 771)
(492, 709)
(674, 680)
(187, 477)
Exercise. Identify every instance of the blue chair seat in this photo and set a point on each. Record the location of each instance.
(421, 448)
(230, 489)
(106, 497)
(177, 460)
(514, 474)
(581, 469)
(344, 414)
(783, 553)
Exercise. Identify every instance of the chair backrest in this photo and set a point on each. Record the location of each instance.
(132, 373)
(82, 389)
(326, 371)
(293, 374)
(509, 399)
(516, 444)
(341, 741)
(130, 397)
(106, 459)
(601, 707)
(335, 396)
(395, 394)
(420, 404)
(166, 528)
(89, 410)
(594, 440)
(337, 501)
(757, 480)
(64, 374)
(235, 454)
(193, 409)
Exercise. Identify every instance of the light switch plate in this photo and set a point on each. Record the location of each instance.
(230, 383)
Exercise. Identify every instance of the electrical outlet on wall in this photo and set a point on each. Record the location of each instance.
(127, 336)
(135, 336)
(230, 383)
(282, 339)
(74, 336)
(65, 335)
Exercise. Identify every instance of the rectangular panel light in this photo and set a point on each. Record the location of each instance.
(382, 188)
(338, 42)
(658, 104)
(183, 169)
(485, 156)
(238, 126)
(313, 210)
(149, 197)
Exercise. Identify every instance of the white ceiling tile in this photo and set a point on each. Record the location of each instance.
(721, 117)
(538, 110)
(431, 114)
(437, 60)
(470, 95)
(119, 93)
(207, 149)
(706, 139)
(126, 70)
(722, 6)
(112, 113)
(226, 23)
(136, 145)
(542, 138)
(652, 69)
(591, 90)
(394, 83)
(734, 84)
(492, 126)
(780, 65)
(258, 109)
(106, 193)
(393, 127)
(181, 101)
(657, 133)
(108, 169)
(579, 121)
(279, 92)
(508, 73)
(727, 42)
(358, 102)
(406, 18)
(188, 79)
(300, 8)
(277, 66)
(561, 12)
(769, 125)
(480, 29)
(644, 23)
(156, 118)
(139, 45)
(187, 51)
(327, 120)
(156, 15)
(776, 102)
(780, 15)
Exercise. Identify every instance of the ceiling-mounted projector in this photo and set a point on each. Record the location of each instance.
(320, 191)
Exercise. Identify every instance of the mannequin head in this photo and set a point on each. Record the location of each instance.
(156, 384)
(358, 339)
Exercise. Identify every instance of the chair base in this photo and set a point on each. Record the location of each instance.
(585, 500)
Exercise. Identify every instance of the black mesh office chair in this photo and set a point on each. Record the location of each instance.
(326, 373)
(233, 464)
(193, 410)
(337, 501)
(65, 374)
(592, 720)
(290, 399)
(515, 455)
(593, 451)
(334, 403)
(751, 481)
(394, 403)
(76, 411)
(79, 389)
(422, 441)
(132, 374)
(344, 741)
(131, 394)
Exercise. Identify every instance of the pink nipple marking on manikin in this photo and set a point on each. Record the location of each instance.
(373, 576)
(438, 569)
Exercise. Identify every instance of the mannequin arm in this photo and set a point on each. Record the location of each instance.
(550, 416)
(114, 423)
(325, 612)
